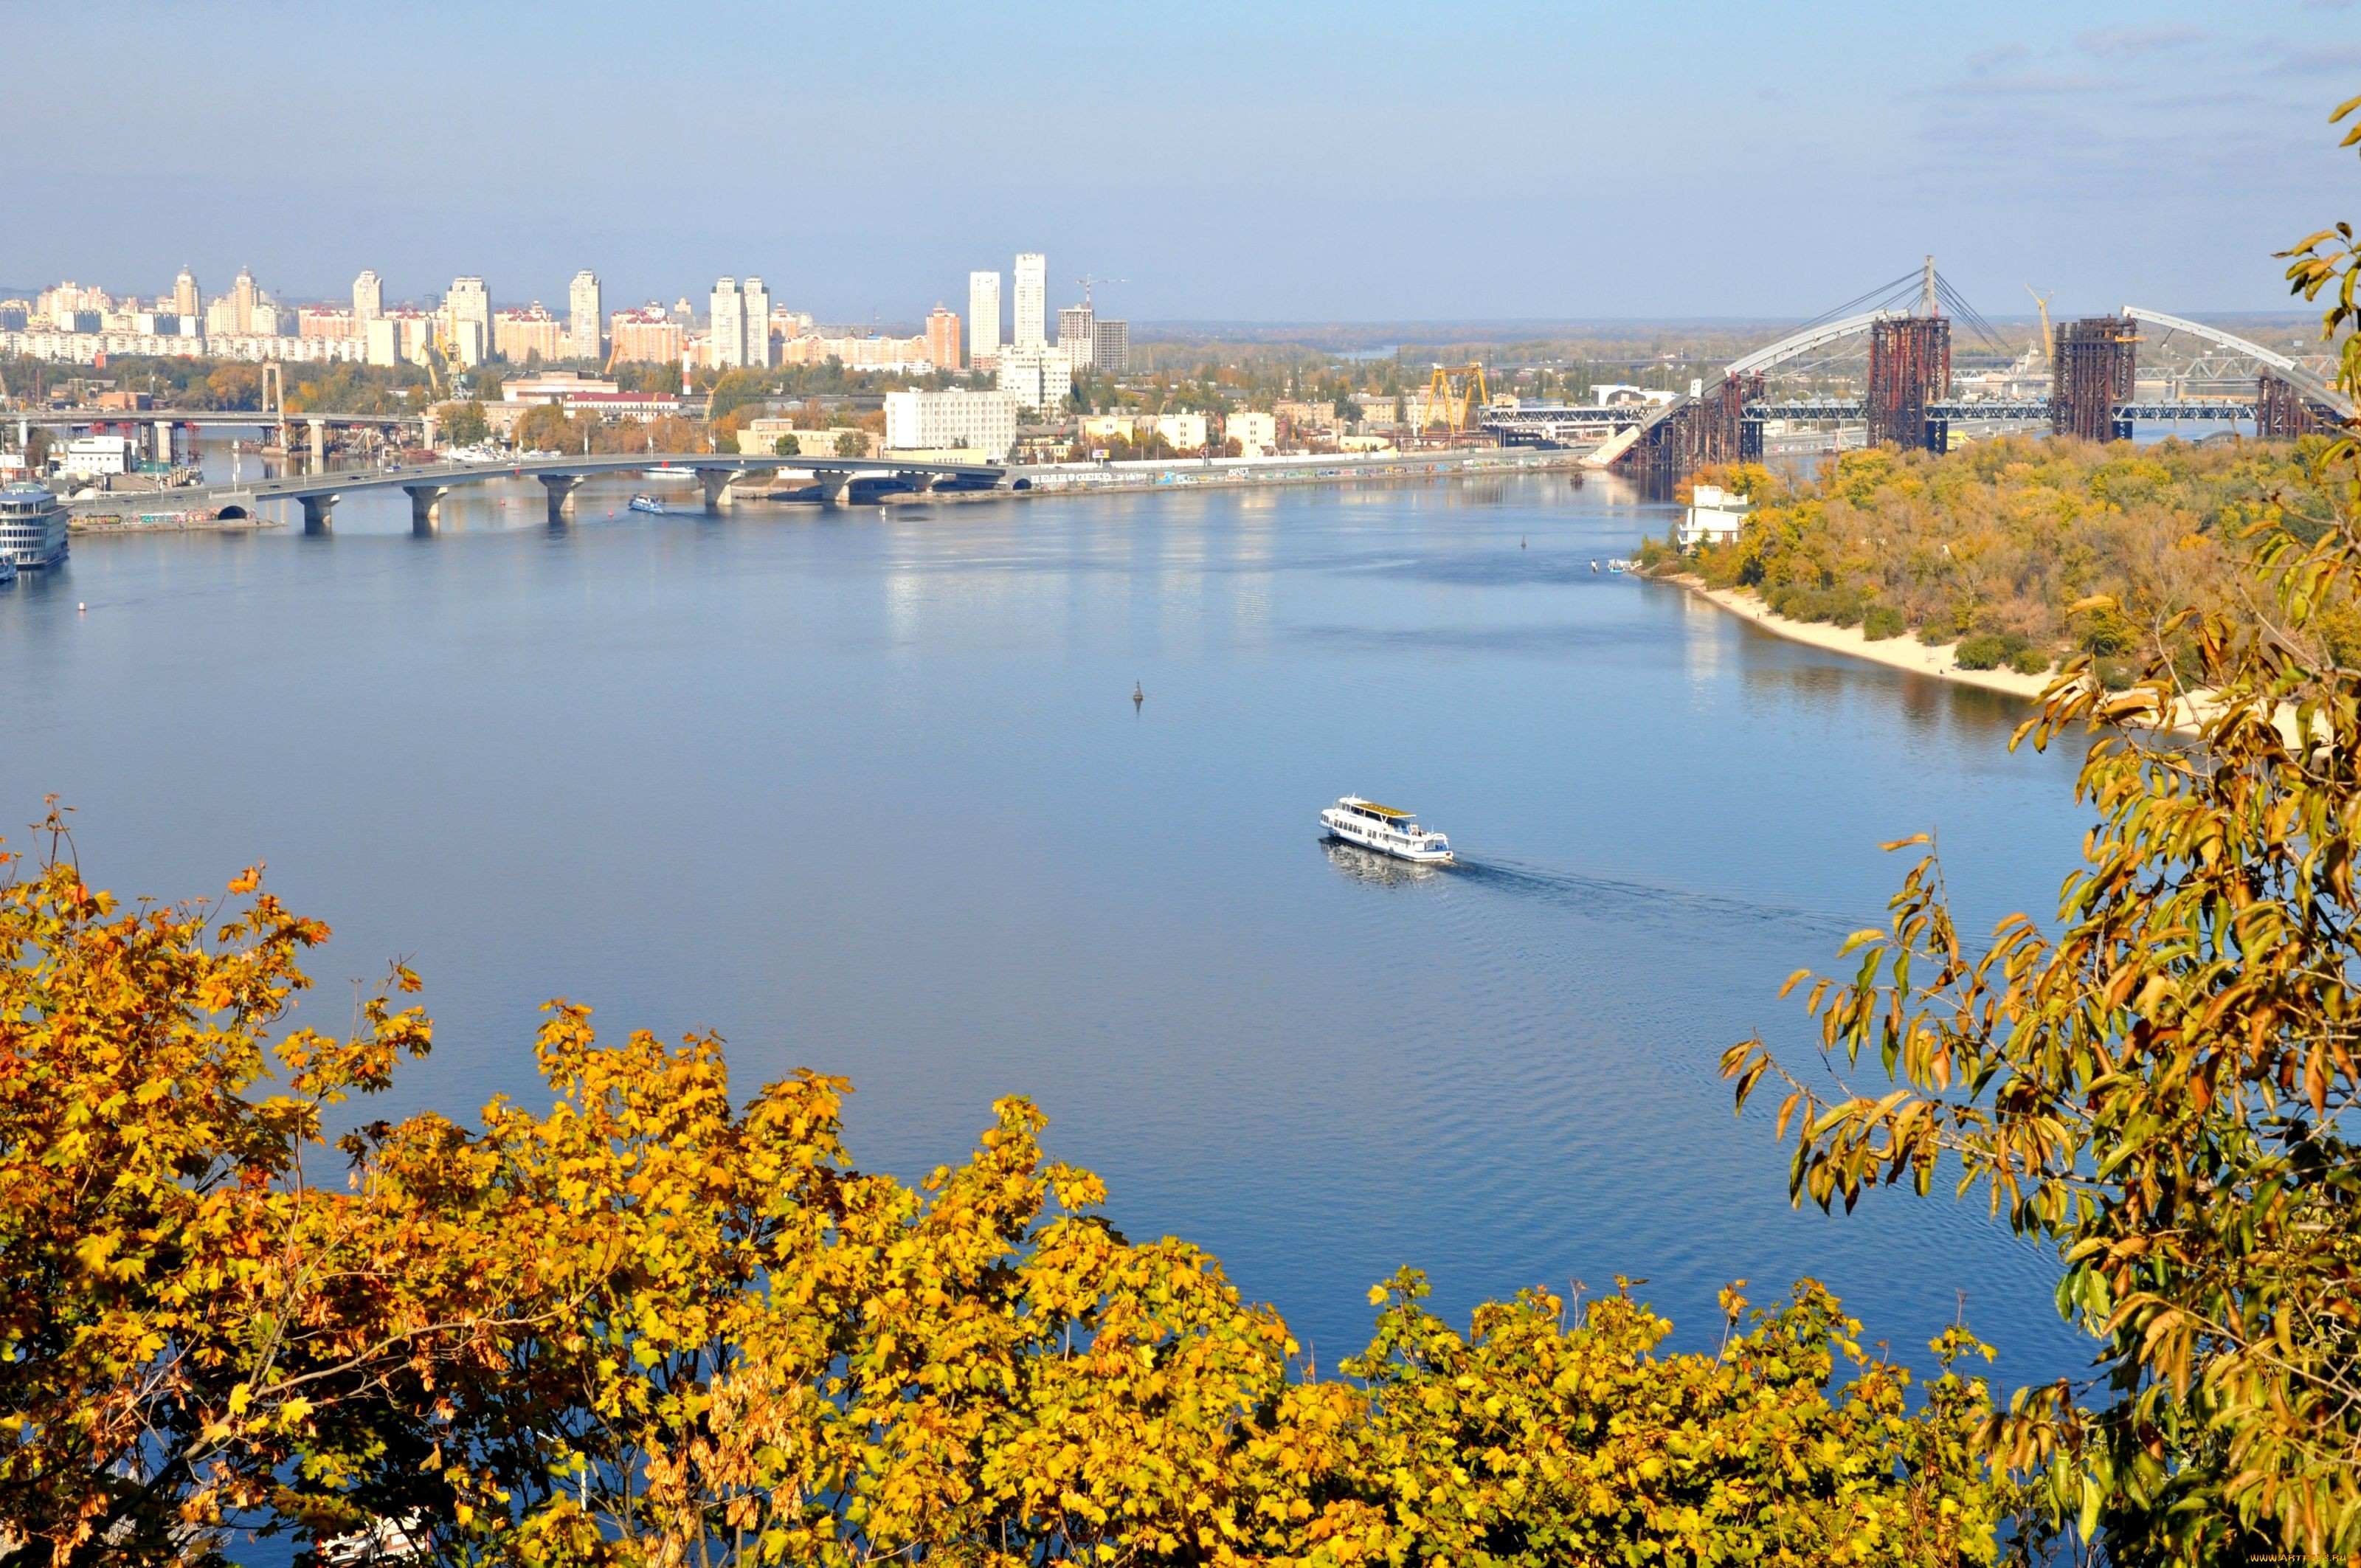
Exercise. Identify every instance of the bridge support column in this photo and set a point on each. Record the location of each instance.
(315, 513)
(319, 445)
(561, 488)
(831, 486)
(715, 481)
(426, 507)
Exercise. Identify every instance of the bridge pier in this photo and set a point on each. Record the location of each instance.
(319, 445)
(714, 481)
(561, 488)
(426, 507)
(831, 487)
(315, 513)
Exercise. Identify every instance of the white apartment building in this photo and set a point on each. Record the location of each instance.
(1032, 307)
(584, 309)
(726, 340)
(1037, 374)
(1184, 431)
(1715, 517)
(470, 300)
(1256, 433)
(952, 421)
(754, 313)
(983, 318)
(368, 298)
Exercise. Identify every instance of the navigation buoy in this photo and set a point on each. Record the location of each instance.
(1594, 568)
(80, 609)
(1521, 543)
(1138, 696)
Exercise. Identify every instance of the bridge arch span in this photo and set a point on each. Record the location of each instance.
(1804, 342)
(2285, 369)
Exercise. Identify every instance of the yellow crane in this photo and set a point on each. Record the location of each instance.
(2041, 304)
(1452, 392)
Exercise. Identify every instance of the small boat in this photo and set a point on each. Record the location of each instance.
(1385, 828)
(1619, 565)
(647, 503)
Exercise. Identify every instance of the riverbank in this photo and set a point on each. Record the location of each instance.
(1904, 652)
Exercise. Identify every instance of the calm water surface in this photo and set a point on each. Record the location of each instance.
(867, 793)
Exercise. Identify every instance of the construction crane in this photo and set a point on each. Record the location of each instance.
(1452, 392)
(2041, 304)
(1086, 281)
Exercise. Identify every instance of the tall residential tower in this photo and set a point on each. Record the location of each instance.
(583, 315)
(1032, 307)
(983, 318)
(368, 300)
(756, 303)
(726, 347)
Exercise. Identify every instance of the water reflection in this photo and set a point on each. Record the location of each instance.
(1381, 871)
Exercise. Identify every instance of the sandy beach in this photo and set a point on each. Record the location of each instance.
(1902, 652)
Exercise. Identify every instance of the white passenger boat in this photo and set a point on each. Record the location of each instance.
(1384, 828)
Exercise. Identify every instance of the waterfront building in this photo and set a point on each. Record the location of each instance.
(1110, 346)
(646, 335)
(186, 302)
(942, 338)
(1030, 323)
(983, 319)
(32, 527)
(1074, 335)
(519, 334)
(96, 456)
(726, 343)
(1256, 433)
(1181, 432)
(957, 420)
(468, 302)
(1037, 374)
(368, 296)
(584, 314)
(754, 313)
(1715, 516)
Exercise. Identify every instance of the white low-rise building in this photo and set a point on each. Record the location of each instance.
(92, 456)
(1715, 517)
(956, 419)
(1256, 433)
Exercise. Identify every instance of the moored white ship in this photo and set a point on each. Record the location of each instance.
(1385, 828)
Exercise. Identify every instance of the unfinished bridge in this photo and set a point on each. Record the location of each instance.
(1908, 399)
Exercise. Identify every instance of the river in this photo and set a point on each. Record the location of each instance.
(866, 790)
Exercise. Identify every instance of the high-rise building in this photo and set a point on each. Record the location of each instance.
(983, 318)
(1032, 306)
(755, 305)
(1037, 374)
(1074, 335)
(241, 297)
(368, 296)
(469, 301)
(185, 302)
(583, 315)
(726, 345)
(943, 338)
(1111, 347)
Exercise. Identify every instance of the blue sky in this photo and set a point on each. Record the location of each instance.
(1266, 162)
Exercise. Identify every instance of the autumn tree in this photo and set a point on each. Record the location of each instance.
(2165, 1090)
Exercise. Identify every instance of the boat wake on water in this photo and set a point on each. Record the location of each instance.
(1635, 901)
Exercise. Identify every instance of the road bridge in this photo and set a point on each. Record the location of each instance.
(428, 483)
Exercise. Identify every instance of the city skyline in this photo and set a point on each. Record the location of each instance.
(1728, 164)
